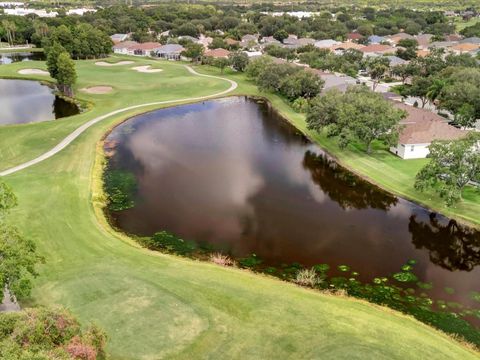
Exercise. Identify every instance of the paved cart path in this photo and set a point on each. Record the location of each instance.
(77, 132)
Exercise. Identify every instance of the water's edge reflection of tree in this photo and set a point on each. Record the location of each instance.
(344, 187)
(450, 245)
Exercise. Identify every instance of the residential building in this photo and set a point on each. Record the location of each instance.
(354, 36)
(217, 53)
(326, 44)
(375, 39)
(423, 40)
(464, 48)
(170, 51)
(377, 50)
(117, 38)
(420, 128)
(395, 60)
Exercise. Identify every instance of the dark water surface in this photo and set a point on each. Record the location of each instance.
(24, 101)
(8, 58)
(234, 174)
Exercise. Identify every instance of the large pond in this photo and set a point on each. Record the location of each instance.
(24, 101)
(8, 58)
(233, 174)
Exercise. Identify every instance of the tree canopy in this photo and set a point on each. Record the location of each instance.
(358, 115)
(453, 165)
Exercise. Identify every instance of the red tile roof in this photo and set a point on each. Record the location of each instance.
(377, 48)
(354, 36)
(217, 53)
(422, 127)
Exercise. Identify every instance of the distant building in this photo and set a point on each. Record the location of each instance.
(395, 60)
(170, 52)
(117, 38)
(354, 36)
(377, 50)
(423, 40)
(135, 48)
(420, 128)
(24, 12)
(375, 39)
(326, 44)
(217, 53)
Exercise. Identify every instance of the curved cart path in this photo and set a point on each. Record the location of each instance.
(76, 133)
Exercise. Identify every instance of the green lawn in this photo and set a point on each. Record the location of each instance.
(154, 305)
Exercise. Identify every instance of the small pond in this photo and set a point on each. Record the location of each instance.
(8, 58)
(24, 101)
(233, 174)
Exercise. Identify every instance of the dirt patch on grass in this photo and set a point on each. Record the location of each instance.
(33, 72)
(97, 89)
(120, 63)
(146, 69)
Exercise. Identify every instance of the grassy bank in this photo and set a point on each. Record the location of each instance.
(154, 305)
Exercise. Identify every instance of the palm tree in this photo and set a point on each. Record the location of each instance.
(435, 89)
(10, 29)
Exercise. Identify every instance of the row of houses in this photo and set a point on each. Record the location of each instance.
(168, 52)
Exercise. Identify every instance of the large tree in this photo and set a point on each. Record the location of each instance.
(358, 115)
(239, 60)
(66, 74)
(17, 254)
(453, 165)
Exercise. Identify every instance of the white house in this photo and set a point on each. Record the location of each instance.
(420, 128)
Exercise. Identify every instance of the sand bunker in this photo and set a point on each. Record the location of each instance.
(120, 63)
(97, 89)
(146, 69)
(33, 72)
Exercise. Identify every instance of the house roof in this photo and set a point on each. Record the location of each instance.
(375, 39)
(326, 43)
(471, 40)
(354, 36)
(465, 47)
(424, 39)
(230, 41)
(125, 45)
(422, 126)
(395, 60)
(170, 49)
(217, 53)
(377, 48)
(400, 36)
(422, 53)
(146, 46)
(347, 45)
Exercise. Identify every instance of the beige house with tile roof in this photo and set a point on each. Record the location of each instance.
(420, 128)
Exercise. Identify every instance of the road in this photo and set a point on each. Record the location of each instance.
(77, 132)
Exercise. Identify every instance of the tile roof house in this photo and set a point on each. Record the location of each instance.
(470, 40)
(354, 36)
(231, 42)
(145, 49)
(377, 50)
(326, 44)
(116, 38)
(464, 48)
(395, 39)
(217, 53)
(375, 39)
(170, 51)
(270, 40)
(424, 40)
(420, 128)
(395, 60)
(345, 46)
(124, 47)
